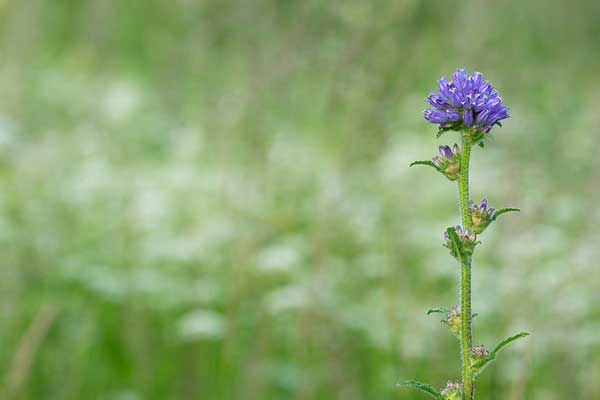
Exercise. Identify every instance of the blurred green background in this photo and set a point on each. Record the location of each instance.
(212, 199)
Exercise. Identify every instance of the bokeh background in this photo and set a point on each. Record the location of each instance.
(212, 199)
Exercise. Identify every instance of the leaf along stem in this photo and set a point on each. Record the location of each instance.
(433, 392)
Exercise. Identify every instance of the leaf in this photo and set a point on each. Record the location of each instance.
(507, 341)
(425, 162)
(441, 131)
(480, 365)
(457, 247)
(502, 211)
(440, 310)
(423, 387)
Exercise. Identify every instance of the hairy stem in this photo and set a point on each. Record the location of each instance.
(466, 340)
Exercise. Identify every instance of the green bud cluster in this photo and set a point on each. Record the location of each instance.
(461, 243)
(478, 353)
(452, 391)
(453, 320)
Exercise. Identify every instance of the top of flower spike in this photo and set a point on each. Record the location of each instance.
(465, 102)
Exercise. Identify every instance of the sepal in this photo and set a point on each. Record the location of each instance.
(424, 387)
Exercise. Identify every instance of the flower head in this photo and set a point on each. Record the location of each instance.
(452, 391)
(481, 215)
(448, 161)
(466, 102)
(467, 238)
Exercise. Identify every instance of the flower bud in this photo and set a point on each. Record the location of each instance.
(453, 320)
(452, 391)
(468, 241)
(481, 216)
(448, 161)
(478, 352)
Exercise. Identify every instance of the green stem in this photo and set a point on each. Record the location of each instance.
(466, 340)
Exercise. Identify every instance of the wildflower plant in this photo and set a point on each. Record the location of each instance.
(471, 106)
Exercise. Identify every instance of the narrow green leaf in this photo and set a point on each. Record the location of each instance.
(507, 341)
(441, 131)
(433, 392)
(425, 162)
(456, 242)
(479, 366)
(440, 310)
(502, 211)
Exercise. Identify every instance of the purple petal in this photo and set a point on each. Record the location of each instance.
(444, 87)
(467, 118)
(483, 204)
(459, 78)
(482, 117)
(452, 115)
(445, 151)
(476, 79)
(435, 116)
(436, 100)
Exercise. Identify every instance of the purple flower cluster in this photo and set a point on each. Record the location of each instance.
(481, 216)
(465, 102)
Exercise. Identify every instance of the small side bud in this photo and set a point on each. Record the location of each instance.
(467, 240)
(478, 353)
(481, 215)
(453, 320)
(452, 391)
(448, 162)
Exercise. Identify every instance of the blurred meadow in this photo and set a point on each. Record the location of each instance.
(212, 199)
